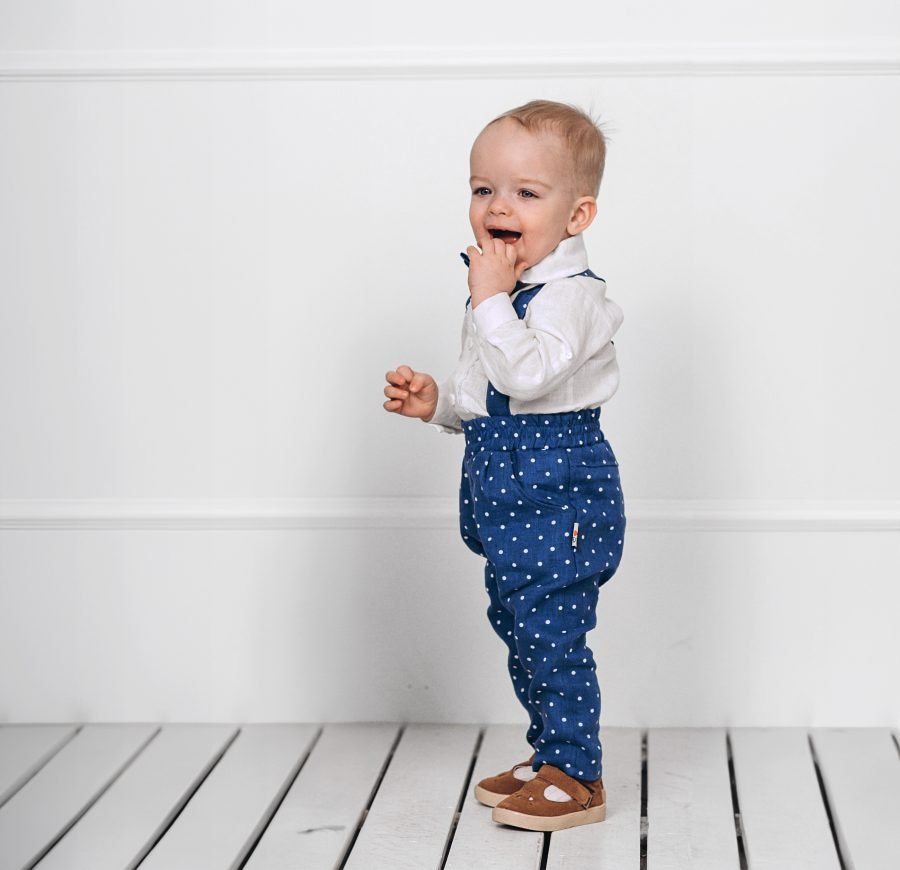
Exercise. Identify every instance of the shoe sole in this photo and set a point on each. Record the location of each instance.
(488, 798)
(549, 823)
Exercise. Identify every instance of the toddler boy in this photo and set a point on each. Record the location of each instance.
(540, 496)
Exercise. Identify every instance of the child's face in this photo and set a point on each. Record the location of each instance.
(522, 190)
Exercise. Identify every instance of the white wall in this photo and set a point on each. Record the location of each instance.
(220, 226)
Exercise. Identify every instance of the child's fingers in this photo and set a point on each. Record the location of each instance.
(486, 243)
(419, 380)
(406, 373)
(393, 405)
(396, 393)
(393, 377)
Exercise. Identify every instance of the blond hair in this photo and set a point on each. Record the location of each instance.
(581, 135)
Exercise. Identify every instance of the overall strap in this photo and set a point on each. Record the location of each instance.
(589, 274)
(497, 402)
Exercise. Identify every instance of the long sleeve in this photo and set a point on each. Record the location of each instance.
(445, 419)
(567, 323)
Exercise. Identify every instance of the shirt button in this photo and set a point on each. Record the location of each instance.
(567, 355)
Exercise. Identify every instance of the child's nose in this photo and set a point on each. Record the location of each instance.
(499, 206)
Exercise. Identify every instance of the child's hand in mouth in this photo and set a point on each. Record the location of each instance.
(496, 267)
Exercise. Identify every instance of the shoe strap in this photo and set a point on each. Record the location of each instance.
(528, 763)
(572, 787)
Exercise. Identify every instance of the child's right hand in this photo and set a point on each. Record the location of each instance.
(412, 394)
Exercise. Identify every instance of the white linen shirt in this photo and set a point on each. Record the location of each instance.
(558, 357)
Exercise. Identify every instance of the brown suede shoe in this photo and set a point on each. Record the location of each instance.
(528, 808)
(494, 789)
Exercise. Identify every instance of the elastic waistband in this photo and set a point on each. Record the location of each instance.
(533, 431)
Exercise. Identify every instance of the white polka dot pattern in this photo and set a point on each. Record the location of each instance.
(526, 480)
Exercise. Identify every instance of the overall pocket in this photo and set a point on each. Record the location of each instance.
(592, 455)
(542, 477)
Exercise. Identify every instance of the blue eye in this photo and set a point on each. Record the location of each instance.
(481, 191)
(527, 194)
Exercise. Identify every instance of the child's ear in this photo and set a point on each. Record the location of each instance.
(583, 213)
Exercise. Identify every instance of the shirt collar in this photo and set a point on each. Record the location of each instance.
(569, 257)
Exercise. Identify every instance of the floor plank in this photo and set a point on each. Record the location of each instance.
(223, 819)
(479, 841)
(861, 773)
(24, 749)
(784, 822)
(199, 797)
(118, 830)
(689, 811)
(410, 819)
(57, 795)
(322, 811)
(616, 841)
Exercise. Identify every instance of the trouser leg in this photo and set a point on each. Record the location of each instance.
(550, 587)
(501, 620)
(534, 477)
(550, 627)
(499, 613)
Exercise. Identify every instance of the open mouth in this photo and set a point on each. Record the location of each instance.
(507, 236)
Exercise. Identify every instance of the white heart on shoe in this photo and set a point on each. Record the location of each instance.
(552, 793)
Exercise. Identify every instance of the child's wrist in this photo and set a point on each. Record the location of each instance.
(479, 295)
(431, 413)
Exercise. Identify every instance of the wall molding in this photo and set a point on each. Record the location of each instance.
(430, 513)
(459, 62)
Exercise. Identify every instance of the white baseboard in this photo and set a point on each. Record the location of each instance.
(461, 62)
(745, 515)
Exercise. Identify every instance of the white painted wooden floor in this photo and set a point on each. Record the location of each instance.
(384, 795)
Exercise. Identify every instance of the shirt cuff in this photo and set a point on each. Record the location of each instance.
(445, 429)
(445, 418)
(492, 313)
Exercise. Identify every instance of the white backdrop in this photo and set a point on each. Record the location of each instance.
(219, 227)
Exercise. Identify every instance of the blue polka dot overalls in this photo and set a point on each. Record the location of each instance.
(540, 499)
